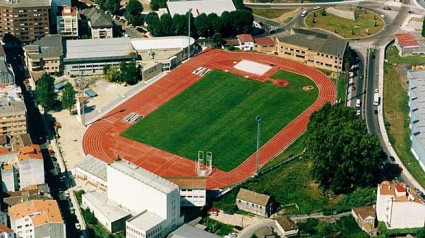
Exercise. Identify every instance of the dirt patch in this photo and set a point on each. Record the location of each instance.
(401, 70)
(308, 88)
(287, 15)
(282, 82)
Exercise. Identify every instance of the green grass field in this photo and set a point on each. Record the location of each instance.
(217, 114)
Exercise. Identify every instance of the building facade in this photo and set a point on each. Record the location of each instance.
(27, 20)
(313, 49)
(416, 104)
(246, 42)
(7, 76)
(399, 207)
(265, 45)
(366, 218)
(256, 203)
(193, 190)
(151, 196)
(67, 22)
(92, 170)
(98, 24)
(13, 112)
(409, 44)
(37, 219)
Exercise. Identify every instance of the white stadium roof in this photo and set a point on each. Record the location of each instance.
(200, 6)
(155, 43)
(95, 48)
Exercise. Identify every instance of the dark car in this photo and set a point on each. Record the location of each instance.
(392, 158)
(229, 212)
(387, 8)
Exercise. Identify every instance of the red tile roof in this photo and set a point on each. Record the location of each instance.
(406, 39)
(264, 41)
(245, 38)
(400, 188)
(5, 229)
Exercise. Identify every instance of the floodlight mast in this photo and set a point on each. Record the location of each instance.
(188, 33)
(258, 119)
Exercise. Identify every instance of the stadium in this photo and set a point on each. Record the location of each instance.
(209, 104)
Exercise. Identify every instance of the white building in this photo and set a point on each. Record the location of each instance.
(67, 22)
(31, 166)
(92, 170)
(149, 194)
(100, 24)
(6, 232)
(37, 219)
(193, 190)
(145, 224)
(399, 206)
(107, 212)
(246, 42)
(200, 6)
(9, 177)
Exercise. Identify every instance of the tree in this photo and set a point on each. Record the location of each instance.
(133, 12)
(154, 24)
(217, 40)
(420, 233)
(89, 216)
(226, 23)
(157, 4)
(113, 6)
(202, 26)
(129, 73)
(344, 155)
(214, 23)
(179, 26)
(166, 23)
(324, 229)
(423, 28)
(150, 17)
(45, 90)
(112, 74)
(68, 96)
(238, 4)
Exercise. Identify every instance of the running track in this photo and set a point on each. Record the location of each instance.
(102, 138)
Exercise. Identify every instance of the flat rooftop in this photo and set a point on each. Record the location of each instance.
(25, 3)
(108, 208)
(167, 42)
(145, 220)
(144, 176)
(94, 166)
(199, 7)
(407, 40)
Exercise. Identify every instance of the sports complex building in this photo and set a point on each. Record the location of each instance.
(417, 113)
(156, 141)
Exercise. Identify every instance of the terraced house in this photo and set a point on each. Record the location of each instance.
(313, 49)
(27, 20)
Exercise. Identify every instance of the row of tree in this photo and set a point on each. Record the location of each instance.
(124, 73)
(133, 10)
(228, 24)
(47, 96)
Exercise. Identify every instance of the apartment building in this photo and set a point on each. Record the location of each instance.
(312, 48)
(27, 20)
(31, 166)
(98, 24)
(44, 56)
(193, 190)
(13, 112)
(37, 219)
(67, 22)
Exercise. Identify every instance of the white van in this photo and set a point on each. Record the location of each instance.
(358, 103)
(304, 13)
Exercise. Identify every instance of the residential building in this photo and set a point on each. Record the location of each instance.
(312, 48)
(89, 57)
(9, 176)
(188, 231)
(107, 212)
(366, 218)
(3, 219)
(13, 112)
(96, 23)
(265, 45)
(31, 166)
(256, 203)
(27, 20)
(416, 104)
(37, 218)
(44, 56)
(7, 76)
(288, 226)
(35, 192)
(92, 170)
(19, 141)
(153, 198)
(399, 206)
(67, 22)
(409, 44)
(200, 6)
(167, 51)
(246, 42)
(56, 8)
(6, 232)
(193, 190)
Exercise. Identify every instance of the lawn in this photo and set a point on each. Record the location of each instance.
(342, 87)
(218, 113)
(396, 109)
(344, 227)
(270, 13)
(292, 184)
(363, 26)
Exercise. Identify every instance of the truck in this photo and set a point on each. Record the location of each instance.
(376, 99)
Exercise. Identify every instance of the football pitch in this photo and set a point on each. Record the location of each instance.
(218, 113)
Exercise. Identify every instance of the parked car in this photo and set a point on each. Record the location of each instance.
(316, 7)
(78, 226)
(213, 211)
(229, 212)
(304, 13)
(358, 103)
(392, 158)
(387, 8)
(382, 16)
(358, 112)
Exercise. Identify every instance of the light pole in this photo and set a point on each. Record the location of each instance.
(258, 119)
(188, 33)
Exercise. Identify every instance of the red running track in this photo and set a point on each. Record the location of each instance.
(103, 141)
